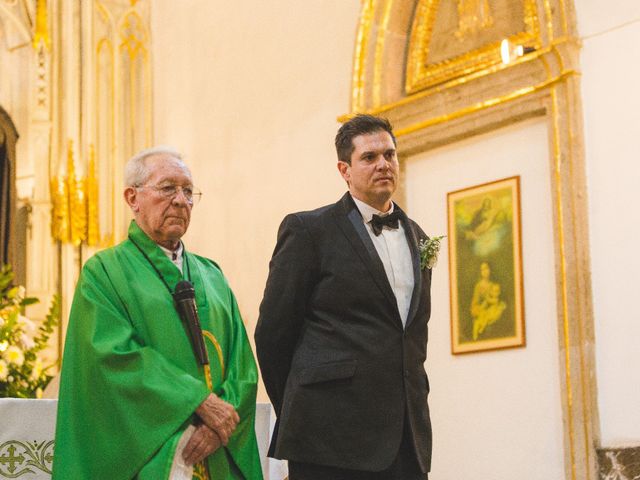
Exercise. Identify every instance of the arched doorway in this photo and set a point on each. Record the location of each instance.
(8, 138)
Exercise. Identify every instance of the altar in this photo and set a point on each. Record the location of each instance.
(27, 430)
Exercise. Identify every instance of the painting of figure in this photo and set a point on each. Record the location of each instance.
(487, 305)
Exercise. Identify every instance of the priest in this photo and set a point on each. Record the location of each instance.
(148, 391)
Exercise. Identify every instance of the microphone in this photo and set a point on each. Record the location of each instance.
(184, 298)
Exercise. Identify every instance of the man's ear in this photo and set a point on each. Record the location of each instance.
(131, 197)
(345, 170)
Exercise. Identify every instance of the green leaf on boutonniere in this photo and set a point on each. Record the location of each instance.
(429, 249)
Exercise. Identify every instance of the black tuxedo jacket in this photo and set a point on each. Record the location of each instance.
(340, 369)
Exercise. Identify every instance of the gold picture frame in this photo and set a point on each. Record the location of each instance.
(485, 265)
(455, 38)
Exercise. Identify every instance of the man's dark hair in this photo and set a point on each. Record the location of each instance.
(359, 125)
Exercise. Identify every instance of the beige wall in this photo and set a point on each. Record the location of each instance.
(250, 92)
(611, 101)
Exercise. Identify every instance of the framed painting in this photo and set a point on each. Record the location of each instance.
(485, 265)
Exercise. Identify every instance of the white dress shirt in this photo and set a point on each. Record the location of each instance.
(393, 250)
(174, 255)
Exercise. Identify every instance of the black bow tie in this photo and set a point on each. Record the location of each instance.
(390, 221)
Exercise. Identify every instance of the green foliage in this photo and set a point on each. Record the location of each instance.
(429, 250)
(21, 371)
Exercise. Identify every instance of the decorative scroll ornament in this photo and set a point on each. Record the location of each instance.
(22, 458)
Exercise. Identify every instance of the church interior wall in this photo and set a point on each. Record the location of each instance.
(250, 93)
(611, 102)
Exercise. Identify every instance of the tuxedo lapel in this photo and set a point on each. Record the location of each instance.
(412, 240)
(350, 222)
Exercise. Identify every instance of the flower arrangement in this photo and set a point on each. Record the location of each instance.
(22, 373)
(429, 249)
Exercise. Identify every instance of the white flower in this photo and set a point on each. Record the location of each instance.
(429, 249)
(14, 355)
(3, 346)
(26, 324)
(27, 342)
(4, 370)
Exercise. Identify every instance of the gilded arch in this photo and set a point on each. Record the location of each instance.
(431, 105)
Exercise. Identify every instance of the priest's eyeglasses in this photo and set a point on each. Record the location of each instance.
(191, 194)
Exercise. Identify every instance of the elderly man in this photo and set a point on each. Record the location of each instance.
(342, 333)
(135, 402)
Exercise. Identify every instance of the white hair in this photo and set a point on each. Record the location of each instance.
(136, 171)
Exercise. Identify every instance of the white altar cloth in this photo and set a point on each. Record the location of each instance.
(27, 430)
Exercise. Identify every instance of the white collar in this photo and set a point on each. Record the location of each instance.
(367, 211)
(170, 253)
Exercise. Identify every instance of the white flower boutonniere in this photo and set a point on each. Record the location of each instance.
(429, 249)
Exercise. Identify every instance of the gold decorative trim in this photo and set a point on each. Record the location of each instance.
(484, 105)
(378, 63)
(41, 35)
(456, 82)
(73, 216)
(59, 209)
(421, 74)
(360, 55)
(77, 202)
(208, 335)
(93, 199)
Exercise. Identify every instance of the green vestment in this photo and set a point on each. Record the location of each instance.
(130, 382)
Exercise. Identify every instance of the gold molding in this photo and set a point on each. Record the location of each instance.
(59, 209)
(360, 55)
(457, 82)
(74, 207)
(378, 63)
(77, 202)
(420, 74)
(492, 102)
(41, 34)
(93, 199)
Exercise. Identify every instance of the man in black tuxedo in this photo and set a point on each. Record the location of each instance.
(342, 334)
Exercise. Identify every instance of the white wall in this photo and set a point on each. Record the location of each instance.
(611, 102)
(496, 415)
(250, 91)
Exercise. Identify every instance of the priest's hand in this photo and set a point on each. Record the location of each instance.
(202, 443)
(219, 416)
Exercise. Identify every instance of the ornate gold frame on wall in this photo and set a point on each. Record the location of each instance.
(544, 83)
(421, 74)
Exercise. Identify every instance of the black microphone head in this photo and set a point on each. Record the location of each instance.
(184, 291)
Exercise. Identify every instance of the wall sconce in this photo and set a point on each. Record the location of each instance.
(510, 52)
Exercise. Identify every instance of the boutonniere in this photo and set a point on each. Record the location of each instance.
(429, 249)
